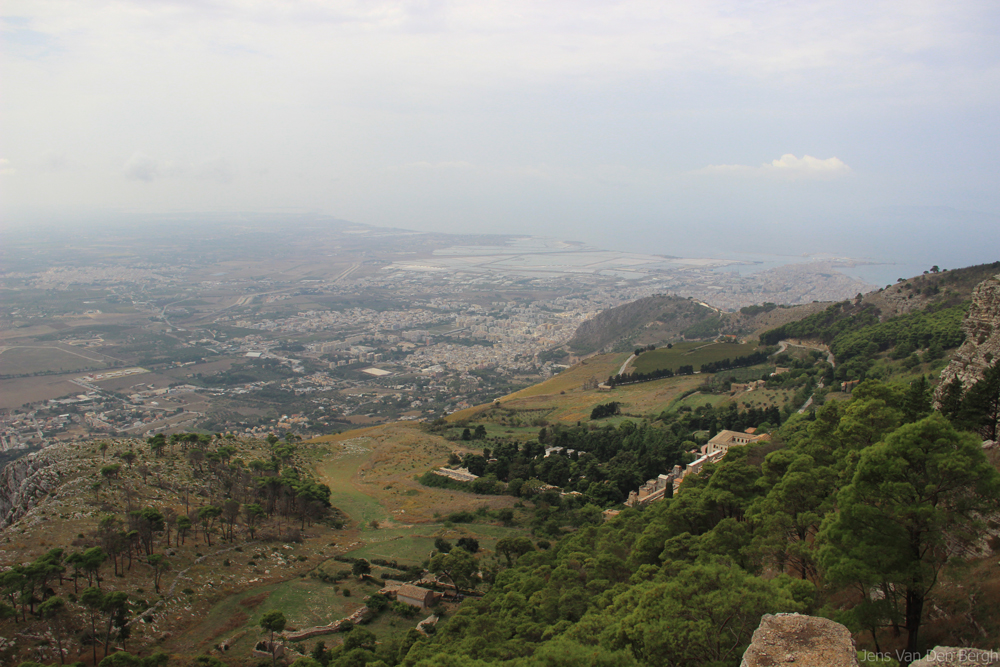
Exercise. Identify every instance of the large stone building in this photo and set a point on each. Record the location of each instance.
(712, 451)
(723, 440)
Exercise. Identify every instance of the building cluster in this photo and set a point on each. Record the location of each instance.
(712, 451)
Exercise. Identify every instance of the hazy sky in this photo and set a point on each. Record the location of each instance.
(861, 128)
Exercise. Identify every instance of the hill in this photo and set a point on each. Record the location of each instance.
(660, 319)
(650, 320)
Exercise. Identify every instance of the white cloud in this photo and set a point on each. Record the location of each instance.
(788, 163)
(5, 168)
(787, 166)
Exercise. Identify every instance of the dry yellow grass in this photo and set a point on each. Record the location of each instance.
(572, 379)
(399, 453)
(569, 381)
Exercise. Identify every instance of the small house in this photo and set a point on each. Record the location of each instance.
(415, 596)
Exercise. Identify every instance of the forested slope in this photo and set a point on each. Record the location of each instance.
(798, 524)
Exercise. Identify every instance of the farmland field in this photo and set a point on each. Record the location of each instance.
(690, 354)
(23, 360)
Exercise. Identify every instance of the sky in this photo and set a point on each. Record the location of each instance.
(862, 129)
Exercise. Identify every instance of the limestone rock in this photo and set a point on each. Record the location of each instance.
(802, 641)
(958, 657)
(982, 337)
(23, 482)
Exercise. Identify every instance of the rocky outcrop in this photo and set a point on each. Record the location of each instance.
(982, 337)
(958, 657)
(23, 482)
(805, 641)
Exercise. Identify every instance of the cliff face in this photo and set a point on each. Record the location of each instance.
(982, 337)
(23, 482)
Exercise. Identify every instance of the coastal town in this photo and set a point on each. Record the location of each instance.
(174, 342)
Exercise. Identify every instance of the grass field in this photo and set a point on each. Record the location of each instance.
(411, 546)
(601, 367)
(372, 476)
(690, 354)
(305, 602)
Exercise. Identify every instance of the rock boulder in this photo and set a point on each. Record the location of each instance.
(802, 641)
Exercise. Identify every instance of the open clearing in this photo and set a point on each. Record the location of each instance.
(600, 367)
(372, 476)
(305, 602)
(413, 545)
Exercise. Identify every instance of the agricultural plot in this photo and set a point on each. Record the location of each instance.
(24, 360)
(638, 399)
(599, 367)
(690, 354)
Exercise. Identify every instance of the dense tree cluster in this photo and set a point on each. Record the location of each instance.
(739, 362)
(867, 496)
(606, 410)
(855, 334)
(605, 463)
(978, 408)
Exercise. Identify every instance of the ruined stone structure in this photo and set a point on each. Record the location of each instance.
(459, 474)
(982, 338)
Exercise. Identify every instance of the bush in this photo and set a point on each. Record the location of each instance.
(377, 602)
(404, 610)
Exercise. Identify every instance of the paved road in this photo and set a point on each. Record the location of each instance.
(621, 371)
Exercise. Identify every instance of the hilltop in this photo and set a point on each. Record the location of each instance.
(652, 319)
